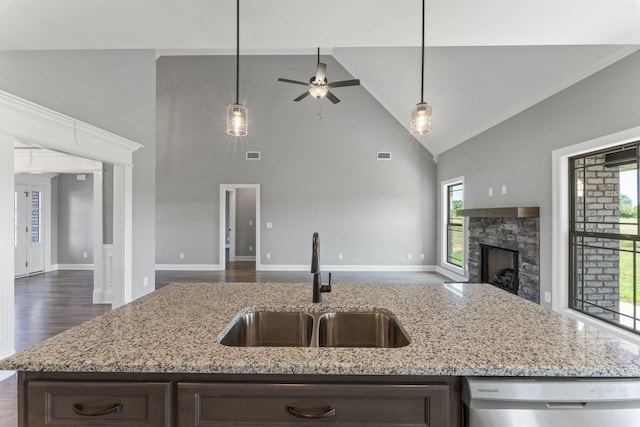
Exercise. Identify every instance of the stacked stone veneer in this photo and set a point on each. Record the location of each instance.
(597, 261)
(516, 234)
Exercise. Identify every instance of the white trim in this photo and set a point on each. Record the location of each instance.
(84, 267)
(5, 374)
(221, 221)
(98, 267)
(364, 268)
(189, 267)
(37, 125)
(46, 161)
(245, 258)
(232, 224)
(225, 52)
(560, 220)
(450, 274)
(461, 271)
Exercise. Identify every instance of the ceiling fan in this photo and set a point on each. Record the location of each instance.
(318, 84)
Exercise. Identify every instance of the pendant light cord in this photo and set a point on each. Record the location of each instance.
(422, 83)
(238, 51)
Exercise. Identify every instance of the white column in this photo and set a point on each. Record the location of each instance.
(122, 235)
(6, 247)
(98, 267)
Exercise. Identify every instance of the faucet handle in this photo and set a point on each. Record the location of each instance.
(327, 287)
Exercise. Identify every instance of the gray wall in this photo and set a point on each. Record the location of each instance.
(517, 152)
(245, 215)
(74, 224)
(315, 174)
(114, 90)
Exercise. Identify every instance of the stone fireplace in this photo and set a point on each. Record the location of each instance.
(506, 242)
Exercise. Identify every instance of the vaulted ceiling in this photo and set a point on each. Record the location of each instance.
(485, 60)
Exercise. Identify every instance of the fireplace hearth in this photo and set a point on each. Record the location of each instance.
(516, 231)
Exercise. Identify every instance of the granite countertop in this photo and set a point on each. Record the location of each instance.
(455, 329)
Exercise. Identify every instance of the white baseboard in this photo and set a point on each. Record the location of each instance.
(72, 267)
(363, 268)
(450, 274)
(189, 267)
(245, 258)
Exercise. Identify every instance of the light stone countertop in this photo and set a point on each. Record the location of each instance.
(455, 329)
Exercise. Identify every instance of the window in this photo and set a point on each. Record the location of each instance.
(36, 216)
(604, 236)
(454, 237)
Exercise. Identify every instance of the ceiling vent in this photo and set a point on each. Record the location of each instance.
(253, 155)
(384, 155)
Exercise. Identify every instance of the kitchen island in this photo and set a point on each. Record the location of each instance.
(165, 348)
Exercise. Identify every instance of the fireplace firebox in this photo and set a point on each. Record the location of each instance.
(499, 267)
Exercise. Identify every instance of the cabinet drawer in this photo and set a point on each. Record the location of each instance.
(97, 404)
(202, 404)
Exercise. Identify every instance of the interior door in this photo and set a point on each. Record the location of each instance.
(20, 229)
(35, 245)
(28, 232)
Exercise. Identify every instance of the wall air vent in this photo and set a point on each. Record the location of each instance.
(384, 155)
(253, 155)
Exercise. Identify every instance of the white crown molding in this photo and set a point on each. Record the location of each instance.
(60, 132)
(243, 52)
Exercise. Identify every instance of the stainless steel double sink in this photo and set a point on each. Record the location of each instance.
(310, 329)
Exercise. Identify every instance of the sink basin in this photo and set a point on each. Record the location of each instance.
(307, 329)
(353, 329)
(270, 329)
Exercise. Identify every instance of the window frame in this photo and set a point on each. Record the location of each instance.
(445, 225)
(558, 299)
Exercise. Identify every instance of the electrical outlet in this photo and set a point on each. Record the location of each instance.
(85, 255)
(181, 255)
(267, 255)
(422, 257)
(250, 248)
(145, 282)
(409, 256)
(547, 297)
(490, 191)
(339, 255)
(269, 225)
(250, 222)
(504, 189)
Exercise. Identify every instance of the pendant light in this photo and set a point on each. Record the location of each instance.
(237, 113)
(421, 113)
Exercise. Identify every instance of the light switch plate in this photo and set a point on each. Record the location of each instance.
(269, 225)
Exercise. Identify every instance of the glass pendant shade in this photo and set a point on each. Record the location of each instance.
(318, 91)
(237, 120)
(421, 119)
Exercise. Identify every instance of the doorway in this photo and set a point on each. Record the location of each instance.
(28, 202)
(239, 224)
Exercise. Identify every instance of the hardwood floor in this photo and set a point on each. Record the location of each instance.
(49, 303)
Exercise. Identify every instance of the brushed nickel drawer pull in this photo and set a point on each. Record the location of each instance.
(330, 412)
(78, 408)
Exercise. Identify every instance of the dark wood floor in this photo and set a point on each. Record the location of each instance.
(49, 303)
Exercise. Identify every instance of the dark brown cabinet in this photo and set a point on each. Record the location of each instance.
(260, 404)
(97, 404)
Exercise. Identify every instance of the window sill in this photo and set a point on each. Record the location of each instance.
(603, 326)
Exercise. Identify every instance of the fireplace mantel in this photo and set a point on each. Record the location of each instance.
(508, 212)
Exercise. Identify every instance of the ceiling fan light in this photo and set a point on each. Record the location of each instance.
(421, 119)
(237, 120)
(318, 91)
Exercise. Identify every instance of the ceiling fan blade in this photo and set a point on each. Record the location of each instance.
(332, 97)
(293, 81)
(321, 72)
(342, 83)
(301, 97)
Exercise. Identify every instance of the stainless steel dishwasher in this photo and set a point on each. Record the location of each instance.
(523, 402)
